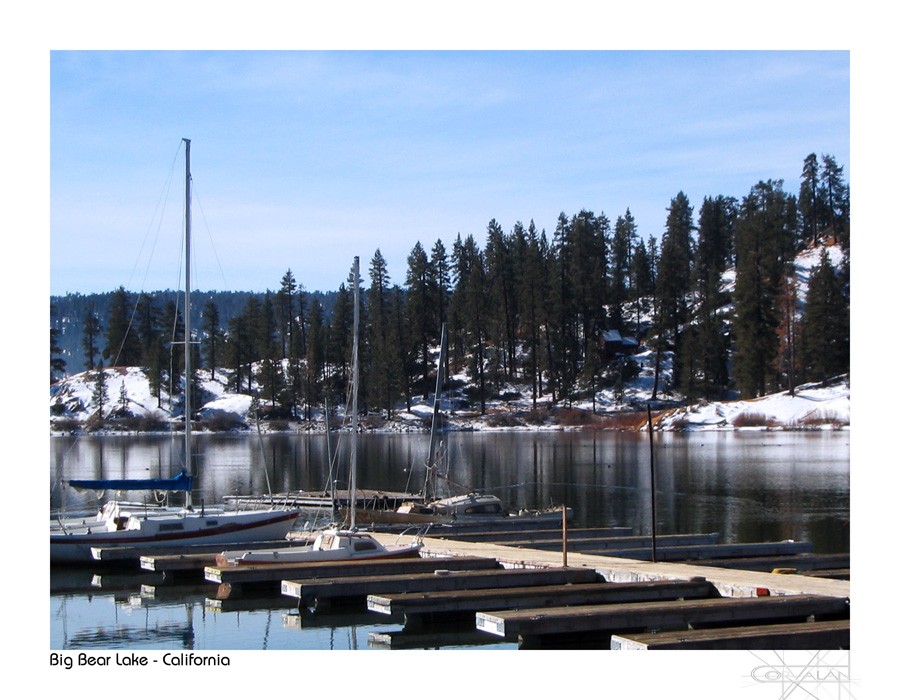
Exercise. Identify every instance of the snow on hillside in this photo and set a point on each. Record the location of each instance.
(812, 406)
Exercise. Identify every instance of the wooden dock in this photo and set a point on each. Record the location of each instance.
(418, 608)
(665, 552)
(587, 541)
(757, 606)
(729, 582)
(534, 627)
(475, 584)
(237, 579)
(799, 635)
(138, 553)
(323, 591)
(505, 534)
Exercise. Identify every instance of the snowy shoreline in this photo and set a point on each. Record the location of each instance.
(819, 406)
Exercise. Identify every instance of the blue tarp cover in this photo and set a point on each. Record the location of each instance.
(182, 482)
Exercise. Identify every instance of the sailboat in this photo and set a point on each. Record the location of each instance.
(468, 507)
(334, 543)
(119, 524)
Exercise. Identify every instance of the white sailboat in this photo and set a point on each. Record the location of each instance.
(122, 525)
(335, 543)
(469, 507)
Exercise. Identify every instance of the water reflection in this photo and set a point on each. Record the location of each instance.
(746, 486)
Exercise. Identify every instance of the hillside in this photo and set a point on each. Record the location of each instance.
(130, 404)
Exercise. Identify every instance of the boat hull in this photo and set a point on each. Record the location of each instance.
(389, 517)
(288, 557)
(190, 529)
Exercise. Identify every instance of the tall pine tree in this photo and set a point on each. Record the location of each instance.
(825, 324)
(673, 284)
(123, 347)
(765, 236)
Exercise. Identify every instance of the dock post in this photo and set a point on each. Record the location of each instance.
(652, 489)
(565, 536)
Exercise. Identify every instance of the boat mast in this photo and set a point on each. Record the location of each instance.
(187, 314)
(435, 416)
(354, 422)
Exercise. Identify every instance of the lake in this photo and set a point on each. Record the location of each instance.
(748, 486)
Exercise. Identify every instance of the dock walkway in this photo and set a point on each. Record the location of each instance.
(756, 609)
(519, 586)
(728, 582)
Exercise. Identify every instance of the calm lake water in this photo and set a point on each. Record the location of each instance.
(749, 487)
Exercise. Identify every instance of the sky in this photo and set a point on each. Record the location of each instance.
(302, 159)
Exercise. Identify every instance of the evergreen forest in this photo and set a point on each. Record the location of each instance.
(555, 313)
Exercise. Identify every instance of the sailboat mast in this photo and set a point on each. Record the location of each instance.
(435, 416)
(187, 314)
(354, 423)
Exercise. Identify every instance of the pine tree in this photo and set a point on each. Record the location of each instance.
(765, 236)
(441, 274)
(270, 377)
(385, 357)
(290, 303)
(122, 346)
(315, 356)
(57, 363)
(562, 326)
(212, 337)
(470, 312)
(835, 195)
(673, 285)
(642, 289)
(100, 392)
(808, 202)
(825, 324)
(147, 321)
(172, 327)
(239, 348)
(90, 335)
(588, 266)
(418, 312)
(704, 361)
(340, 342)
(400, 340)
(286, 298)
(532, 295)
(788, 348)
(502, 309)
(620, 277)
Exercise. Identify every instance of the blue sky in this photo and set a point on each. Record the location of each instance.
(303, 159)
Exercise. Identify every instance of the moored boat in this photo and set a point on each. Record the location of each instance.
(464, 508)
(120, 525)
(335, 543)
(330, 545)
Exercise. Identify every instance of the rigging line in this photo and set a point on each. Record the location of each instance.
(255, 405)
(160, 210)
(209, 235)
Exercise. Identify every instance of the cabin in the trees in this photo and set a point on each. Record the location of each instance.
(613, 344)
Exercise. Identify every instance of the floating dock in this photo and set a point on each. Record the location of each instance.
(475, 585)
(703, 606)
(799, 635)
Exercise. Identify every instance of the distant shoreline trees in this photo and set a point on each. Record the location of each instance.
(531, 309)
